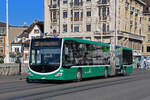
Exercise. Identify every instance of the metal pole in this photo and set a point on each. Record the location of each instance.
(116, 37)
(101, 36)
(59, 17)
(7, 37)
(114, 42)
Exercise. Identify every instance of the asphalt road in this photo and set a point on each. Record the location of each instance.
(133, 87)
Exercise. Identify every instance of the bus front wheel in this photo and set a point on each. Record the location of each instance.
(28, 80)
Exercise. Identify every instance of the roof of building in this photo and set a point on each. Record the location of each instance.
(14, 32)
(141, 2)
(26, 32)
(2, 24)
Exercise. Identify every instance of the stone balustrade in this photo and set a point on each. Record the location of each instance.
(12, 69)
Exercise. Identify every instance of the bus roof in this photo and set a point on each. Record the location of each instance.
(86, 41)
(123, 47)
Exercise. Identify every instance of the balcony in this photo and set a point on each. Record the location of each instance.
(54, 21)
(131, 35)
(103, 3)
(76, 4)
(77, 19)
(102, 34)
(104, 18)
(53, 7)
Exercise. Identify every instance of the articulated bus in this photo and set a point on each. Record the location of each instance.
(75, 59)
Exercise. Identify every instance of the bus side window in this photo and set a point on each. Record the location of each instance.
(68, 54)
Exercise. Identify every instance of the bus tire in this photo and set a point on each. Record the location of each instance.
(28, 80)
(106, 73)
(79, 75)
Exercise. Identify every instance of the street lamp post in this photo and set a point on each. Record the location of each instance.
(114, 41)
(7, 37)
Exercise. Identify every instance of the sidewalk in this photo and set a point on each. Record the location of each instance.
(13, 77)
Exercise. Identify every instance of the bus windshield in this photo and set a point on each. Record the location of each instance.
(45, 54)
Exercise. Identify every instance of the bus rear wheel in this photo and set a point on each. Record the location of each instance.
(79, 75)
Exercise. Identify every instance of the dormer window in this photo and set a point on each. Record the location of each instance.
(36, 31)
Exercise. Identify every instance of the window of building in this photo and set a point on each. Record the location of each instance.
(76, 2)
(1, 51)
(71, 27)
(140, 31)
(16, 49)
(148, 48)
(54, 31)
(54, 17)
(99, 11)
(76, 15)
(2, 30)
(104, 11)
(88, 28)
(107, 28)
(65, 1)
(104, 28)
(142, 49)
(88, 13)
(148, 37)
(149, 28)
(1, 40)
(65, 14)
(88, 0)
(76, 29)
(36, 31)
(81, 14)
(149, 8)
(108, 11)
(104, 1)
(65, 28)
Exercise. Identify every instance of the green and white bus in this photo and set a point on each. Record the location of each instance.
(74, 59)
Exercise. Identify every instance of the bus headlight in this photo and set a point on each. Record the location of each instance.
(30, 74)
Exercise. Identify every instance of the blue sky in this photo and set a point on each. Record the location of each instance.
(21, 11)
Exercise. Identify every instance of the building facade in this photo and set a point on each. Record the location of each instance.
(146, 27)
(22, 41)
(97, 20)
(13, 32)
(2, 38)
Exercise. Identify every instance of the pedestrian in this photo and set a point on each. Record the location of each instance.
(138, 65)
(145, 65)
